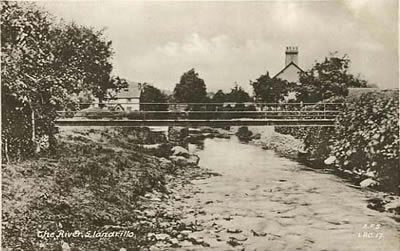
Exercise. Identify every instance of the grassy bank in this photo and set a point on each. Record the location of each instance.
(92, 183)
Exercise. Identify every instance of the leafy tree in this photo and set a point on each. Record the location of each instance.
(270, 90)
(43, 65)
(238, 95)
(327, 79)
(151, 94)
(191, 88)
(219, 97)
(85, 53)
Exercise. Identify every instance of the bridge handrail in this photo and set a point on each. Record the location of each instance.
(261, 112)
(225, 103)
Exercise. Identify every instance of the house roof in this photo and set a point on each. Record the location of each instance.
(287, 66)
(132, 91)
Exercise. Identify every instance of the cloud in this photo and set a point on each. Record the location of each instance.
(238, 41)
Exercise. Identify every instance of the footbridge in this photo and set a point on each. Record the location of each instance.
(200, 114)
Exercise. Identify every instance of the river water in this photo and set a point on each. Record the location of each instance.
(265, 202)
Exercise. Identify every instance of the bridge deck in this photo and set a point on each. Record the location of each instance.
(196, 122)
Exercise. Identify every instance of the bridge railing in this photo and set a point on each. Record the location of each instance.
(207, 111)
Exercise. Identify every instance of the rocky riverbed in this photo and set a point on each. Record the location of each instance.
(252, 199)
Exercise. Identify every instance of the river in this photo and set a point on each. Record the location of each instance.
(265, 202)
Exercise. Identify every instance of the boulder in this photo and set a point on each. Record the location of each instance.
(368, 183)
(165, 163)
(191, 160)
(179, 151)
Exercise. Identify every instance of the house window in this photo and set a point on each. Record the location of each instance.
(129, 99)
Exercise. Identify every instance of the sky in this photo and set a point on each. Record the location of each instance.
(237, 41)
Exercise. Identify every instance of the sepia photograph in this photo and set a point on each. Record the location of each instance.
(180, 125)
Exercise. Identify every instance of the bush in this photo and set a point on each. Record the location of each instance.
(367, 137)
(365, 140)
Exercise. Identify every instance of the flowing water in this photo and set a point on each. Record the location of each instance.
(265, 202)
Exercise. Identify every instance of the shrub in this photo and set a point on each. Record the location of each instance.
(365, 140)
(367, 137)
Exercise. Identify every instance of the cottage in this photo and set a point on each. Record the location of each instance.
(291, 70)
(126, 99)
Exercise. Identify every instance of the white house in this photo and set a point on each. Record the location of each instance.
(126, 99)
(291, 71)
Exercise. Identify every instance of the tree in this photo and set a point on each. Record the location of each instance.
(43, 65)
(327, 79)
(270, 90)
(238, 95)
(219, 97)
(85, 53)
(151, 94)
(191, 88)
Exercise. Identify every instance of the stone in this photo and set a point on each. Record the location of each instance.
(186, 243)
(65, 246)
(186, 232)
(162, 237)
(233, 230)
(233, 242)
(191, 160)
(174, 242)
(258, 233)
(330, 160)
(368, 183)
(179, 151)
(150, 213)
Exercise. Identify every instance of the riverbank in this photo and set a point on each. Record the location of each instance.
(98, 181)
(288, 146)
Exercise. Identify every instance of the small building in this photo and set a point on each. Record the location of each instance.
(126, 99)
(291, 70)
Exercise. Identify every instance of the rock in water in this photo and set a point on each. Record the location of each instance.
(368, 183)
(193, 159)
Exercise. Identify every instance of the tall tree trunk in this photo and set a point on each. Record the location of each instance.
(6, 150)
(35, 146)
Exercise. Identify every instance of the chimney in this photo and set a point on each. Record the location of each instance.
(292, 55)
